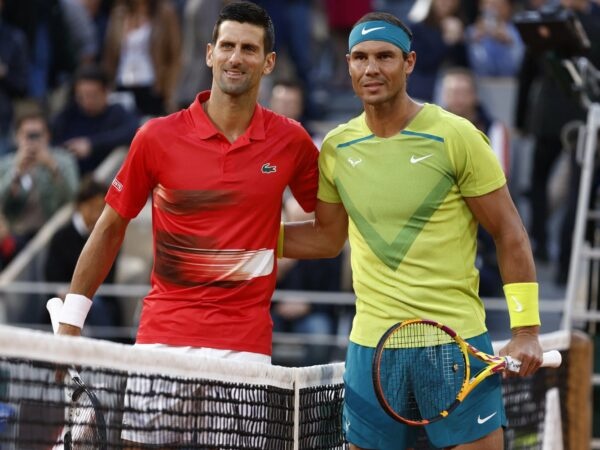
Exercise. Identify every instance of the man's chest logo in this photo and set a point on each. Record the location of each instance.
(414, 159)
(268, 168)
(354, 162)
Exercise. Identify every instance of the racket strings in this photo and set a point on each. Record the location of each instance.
(422, 370)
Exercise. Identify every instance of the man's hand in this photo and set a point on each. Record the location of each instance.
(54, 306)
(45, 158)
(81, 147)
(25, 158)
(452, 30)
(65, 330)
(525, 347)
(68, 330)
(292, 310)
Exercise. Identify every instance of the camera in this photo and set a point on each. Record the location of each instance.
(553, 29)
(559, 35)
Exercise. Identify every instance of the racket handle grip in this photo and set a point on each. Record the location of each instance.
(553, 358)
(54, 306)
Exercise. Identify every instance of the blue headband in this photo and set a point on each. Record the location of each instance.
(379, 30)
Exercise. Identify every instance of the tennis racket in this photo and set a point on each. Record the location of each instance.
(85, 427)
(421, 370)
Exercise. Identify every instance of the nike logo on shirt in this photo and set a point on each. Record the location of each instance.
(414, 159)
(368, 30)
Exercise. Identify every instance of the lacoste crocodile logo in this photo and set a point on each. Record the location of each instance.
(268, 168)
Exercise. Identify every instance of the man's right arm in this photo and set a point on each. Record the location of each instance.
(96, 258)
(323, 237)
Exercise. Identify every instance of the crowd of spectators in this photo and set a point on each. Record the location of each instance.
(77, 77)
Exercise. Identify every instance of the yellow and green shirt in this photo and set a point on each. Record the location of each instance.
(412, 236)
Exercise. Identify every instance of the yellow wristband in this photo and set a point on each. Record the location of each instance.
(523, 304)
(280, 241)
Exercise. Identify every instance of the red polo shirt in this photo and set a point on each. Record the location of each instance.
(215, 221)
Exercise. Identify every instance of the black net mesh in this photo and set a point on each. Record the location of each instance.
(147, 400)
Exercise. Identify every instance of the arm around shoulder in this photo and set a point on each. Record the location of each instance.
(323, 237)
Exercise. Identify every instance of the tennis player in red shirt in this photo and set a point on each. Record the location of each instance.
(216, 172)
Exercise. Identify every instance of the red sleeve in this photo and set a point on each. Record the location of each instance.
(305, 181)
(135, 180)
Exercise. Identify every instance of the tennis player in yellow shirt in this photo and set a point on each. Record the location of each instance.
(409, 183)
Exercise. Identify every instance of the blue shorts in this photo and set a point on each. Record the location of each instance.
(368, 426)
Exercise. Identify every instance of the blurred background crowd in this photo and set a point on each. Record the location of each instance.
(77, 78)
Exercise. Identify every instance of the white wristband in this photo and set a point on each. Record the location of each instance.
(75, 309)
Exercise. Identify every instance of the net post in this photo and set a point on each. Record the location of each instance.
(579, 391)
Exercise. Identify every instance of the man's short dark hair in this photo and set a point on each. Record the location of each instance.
(247, 12)
(90, 188)
(389, 18)
(33, 114)
(92, 72)
(462, 71)
(152, 5)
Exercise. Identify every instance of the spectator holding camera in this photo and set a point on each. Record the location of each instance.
(494, 47)
(36, 180)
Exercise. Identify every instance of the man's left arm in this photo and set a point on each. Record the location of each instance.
(497, 213)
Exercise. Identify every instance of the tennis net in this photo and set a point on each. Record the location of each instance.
(175, 401)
